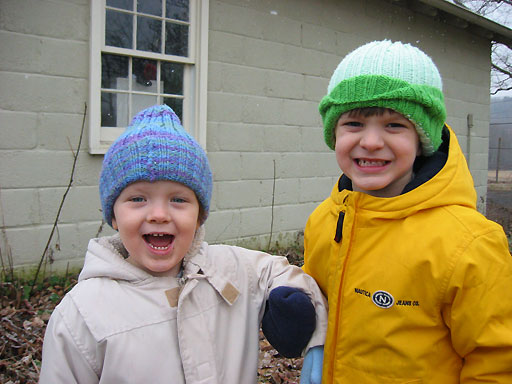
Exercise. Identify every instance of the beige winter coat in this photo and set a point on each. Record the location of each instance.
(122, 325)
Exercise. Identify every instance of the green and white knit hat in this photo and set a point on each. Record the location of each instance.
(390, 75)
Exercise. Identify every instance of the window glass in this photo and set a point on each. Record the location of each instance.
(114, 109)
(118, 29)
(123, 4)
(177, 9)
(149, 34)
(176, 39)
(176, 105)
(141, 102)
(144, 74)
(172, 78)
(114, 71)
(152, 7)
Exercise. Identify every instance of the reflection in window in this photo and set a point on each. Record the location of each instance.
(151, 7)
(176, 105)
(177, 10)
(118, 29)
(176, 39)
(123, 4)
(113, 67)
(172, 78)
(149, 34)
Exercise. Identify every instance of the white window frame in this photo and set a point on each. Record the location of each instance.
(195, 75)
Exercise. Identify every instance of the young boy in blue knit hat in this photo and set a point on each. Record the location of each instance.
(155, 303)
(419, 284)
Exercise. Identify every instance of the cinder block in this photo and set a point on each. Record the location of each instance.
(307, 165)
(315, 88)
(313, 138)
(257, 166)
(81, 204)
(18, 130)
(46, 18)
(264, 54)
(255, 221)
(243, 80)
(243, 194)
(31, 169)
(291, 217)
(237, 137)
(226, 166)
(37, 93)
(223, 107)
(226, 48)
(284, 85)
(33, 54)
(222, 225)
(61, 131)
(287, 191)
(318, 38)
(87, 170)
(315, 189)
(282, 138)
(27, 243)
(19, 207)
(306, 61)
(262, 110)
(301, 113)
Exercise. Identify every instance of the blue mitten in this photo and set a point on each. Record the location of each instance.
(289, 320)
(312, 366)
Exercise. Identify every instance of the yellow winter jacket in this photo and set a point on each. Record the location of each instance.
(419, 285)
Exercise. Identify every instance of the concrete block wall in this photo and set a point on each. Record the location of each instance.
(44, 55)
(269, 65)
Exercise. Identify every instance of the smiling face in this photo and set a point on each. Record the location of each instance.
(377, 151)
(157, 224)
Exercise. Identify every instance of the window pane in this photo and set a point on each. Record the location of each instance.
(176, 9)
(114, 71)
(149, 33)
(176, 105)
(172, 78)
(176, 39)
(118, 29)
(144, 73)
(123, 4)
(141, 102)
(114, 110)
(152, 7)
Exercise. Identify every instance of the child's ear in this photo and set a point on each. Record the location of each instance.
(114, 224)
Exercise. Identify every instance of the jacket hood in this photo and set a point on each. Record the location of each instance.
(106, 257)
(453, 185)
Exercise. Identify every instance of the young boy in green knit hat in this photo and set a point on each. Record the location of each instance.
(419, 284)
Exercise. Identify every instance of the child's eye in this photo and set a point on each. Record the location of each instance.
(178, 200)
(353, 124)
(396, 125)
(137, 199)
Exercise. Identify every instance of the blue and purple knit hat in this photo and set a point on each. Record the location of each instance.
(155, 147)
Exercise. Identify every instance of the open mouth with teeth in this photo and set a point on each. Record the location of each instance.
(159, 241)
(371, 163)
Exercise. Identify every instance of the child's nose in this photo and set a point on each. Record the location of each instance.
(159, 213)
(371, 140)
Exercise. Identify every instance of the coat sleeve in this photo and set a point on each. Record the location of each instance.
(64, 358)
(478, 309)
(275, 271)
